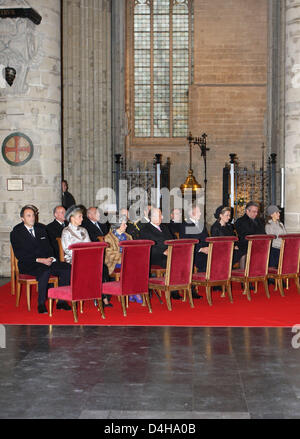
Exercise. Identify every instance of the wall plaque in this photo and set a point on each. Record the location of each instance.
(15, 184)
(17, 149)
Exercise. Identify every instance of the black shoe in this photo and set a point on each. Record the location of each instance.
(271, 281)
(217, 288)
(42, 309)
(175, 295)
(107, 305)
(63, 305)
(196, 295)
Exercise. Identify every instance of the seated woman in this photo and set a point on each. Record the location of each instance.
(222, 227)
(274, 227)
(113, 253)
(74, 234)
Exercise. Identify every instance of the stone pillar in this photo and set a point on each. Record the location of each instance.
(87, 97)
(31, 107)
(292, 117)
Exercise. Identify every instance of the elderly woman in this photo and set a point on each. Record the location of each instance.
(274, 227)
(75, 234)
(113, 253)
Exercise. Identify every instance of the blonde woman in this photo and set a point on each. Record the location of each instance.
(274, 227)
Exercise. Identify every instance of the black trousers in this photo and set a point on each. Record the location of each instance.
(42, 273)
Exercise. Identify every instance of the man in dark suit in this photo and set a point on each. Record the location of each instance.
(93, 225)
(54, 229)
(67, 199)
(175, 222)
(159, 233)
(248, 224)
(194, 228)
(32, 248)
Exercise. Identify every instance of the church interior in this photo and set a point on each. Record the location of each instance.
(98, 91)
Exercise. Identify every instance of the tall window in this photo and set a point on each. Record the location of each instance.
(161, 67)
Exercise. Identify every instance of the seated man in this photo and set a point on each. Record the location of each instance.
(93, 225)
(32, 248)
(248, 224)
(143, 221)
(159, 233)
(175, 222)
(194, 228)
(54, 229)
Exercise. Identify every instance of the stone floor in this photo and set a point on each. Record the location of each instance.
(148, 373)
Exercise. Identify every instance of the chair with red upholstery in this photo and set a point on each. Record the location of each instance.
(219, 264)
(289, 259)
(86, 277)
(134, 274)
(256, 269)
(179, 270)
(27, 280)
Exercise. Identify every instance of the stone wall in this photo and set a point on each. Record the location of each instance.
(87, 97)
(228, 98)
(292, 117)
(32, 106)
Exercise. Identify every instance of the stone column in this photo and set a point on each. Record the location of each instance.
(292, 117)
(30, 107)
(87, 97)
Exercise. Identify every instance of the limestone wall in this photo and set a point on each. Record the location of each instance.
(32, 106)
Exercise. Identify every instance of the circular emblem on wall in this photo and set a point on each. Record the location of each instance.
(17, 149)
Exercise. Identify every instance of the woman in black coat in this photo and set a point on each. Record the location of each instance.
(222, 227)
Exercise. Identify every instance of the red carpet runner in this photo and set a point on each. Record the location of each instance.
(260, 312)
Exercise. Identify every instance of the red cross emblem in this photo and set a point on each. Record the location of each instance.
(17, 149)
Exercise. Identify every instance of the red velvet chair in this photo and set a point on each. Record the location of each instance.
(86, 277)
(219, 264)
(179, 270)
(134, 274)
(256, 269)
(289, 259)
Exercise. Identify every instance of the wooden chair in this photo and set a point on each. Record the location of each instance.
(289, 261)
(257, 262)
(28, 281)
(134, 275)
(179, 270)
(12, 272)
(219, 263)
(61, 250)
(86, 277)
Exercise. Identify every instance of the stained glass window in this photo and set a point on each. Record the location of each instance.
(161, 67)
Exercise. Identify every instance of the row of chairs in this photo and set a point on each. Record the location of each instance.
(133, 277)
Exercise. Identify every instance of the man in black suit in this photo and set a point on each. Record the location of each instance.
(93, 225)
(32, 248)
(159, 233)
(175, 222)
(67, 199)
(248, 224)
(55, 228)
(194, 228)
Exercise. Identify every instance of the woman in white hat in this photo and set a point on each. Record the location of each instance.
(274, 227)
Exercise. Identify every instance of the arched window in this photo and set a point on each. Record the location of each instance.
(159, 68)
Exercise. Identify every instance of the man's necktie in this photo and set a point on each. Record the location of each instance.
(31, 232)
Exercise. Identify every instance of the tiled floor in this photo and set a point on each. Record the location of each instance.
(149, 373)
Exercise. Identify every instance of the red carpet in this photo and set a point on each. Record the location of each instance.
(260, 312)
